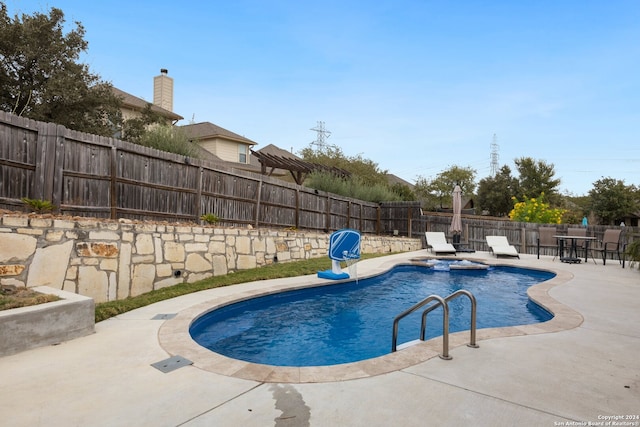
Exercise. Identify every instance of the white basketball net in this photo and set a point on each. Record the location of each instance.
(351, 260)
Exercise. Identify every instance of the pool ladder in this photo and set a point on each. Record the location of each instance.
(444, 302)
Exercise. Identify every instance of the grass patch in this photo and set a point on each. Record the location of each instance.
(109, 309)
(23, 297)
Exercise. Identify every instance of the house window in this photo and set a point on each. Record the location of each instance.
(242, 153)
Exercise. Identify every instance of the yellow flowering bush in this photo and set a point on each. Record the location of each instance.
(535, 210)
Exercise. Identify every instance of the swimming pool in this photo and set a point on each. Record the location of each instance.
(352, 321)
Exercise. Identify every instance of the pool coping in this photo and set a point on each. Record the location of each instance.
(174, 336)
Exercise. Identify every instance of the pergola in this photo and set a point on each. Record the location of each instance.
(299, 169)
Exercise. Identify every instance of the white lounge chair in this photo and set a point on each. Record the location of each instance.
(438, 243)
(499, 245)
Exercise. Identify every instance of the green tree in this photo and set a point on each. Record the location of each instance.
(404, 191)
(576, 207)
(537, 177)
(41, 77)
(611, 200)
(134, 129)
(436, 193)
(495, 193)
(423, 192)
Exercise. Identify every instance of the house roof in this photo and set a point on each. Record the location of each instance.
(139, 104)
(207, 130)
(394, 179)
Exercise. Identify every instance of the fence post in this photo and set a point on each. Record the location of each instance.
(466, 234)
(39, 173)
(297, 220)
(45, 163)
(258, 198)
(328, 214)
(113, 200)
(198, 207)
(57, 145)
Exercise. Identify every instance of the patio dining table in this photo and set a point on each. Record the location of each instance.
(573, 248)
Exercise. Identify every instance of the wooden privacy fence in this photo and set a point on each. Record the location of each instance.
(89, 175)
(402, 219)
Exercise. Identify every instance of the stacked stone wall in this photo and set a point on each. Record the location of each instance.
(112, 260)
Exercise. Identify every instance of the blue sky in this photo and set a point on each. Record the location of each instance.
(415, 86)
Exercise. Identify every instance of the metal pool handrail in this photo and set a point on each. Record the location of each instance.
(472, 299)
(445, 320)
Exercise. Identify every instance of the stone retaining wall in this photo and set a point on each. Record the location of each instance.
(111, 260)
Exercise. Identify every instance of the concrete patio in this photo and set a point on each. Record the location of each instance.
(583, 367)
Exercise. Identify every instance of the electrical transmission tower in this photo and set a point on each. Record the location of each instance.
(494, 155)
(322, 136)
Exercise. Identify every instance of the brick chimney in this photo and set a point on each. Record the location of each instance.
(163, 90)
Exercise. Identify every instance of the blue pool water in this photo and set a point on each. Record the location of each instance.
(348, 322)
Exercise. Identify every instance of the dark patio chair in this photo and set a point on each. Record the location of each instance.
(610, 243)
(546, 239)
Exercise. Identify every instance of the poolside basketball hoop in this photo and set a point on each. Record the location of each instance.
(344, 246)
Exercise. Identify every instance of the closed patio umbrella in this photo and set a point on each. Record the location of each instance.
(456, 221)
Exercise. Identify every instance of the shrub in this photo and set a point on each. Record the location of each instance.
(633, 252)
(210, 218)
(169, 138)
(38, 205)
(535, 210)
(353, 187)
